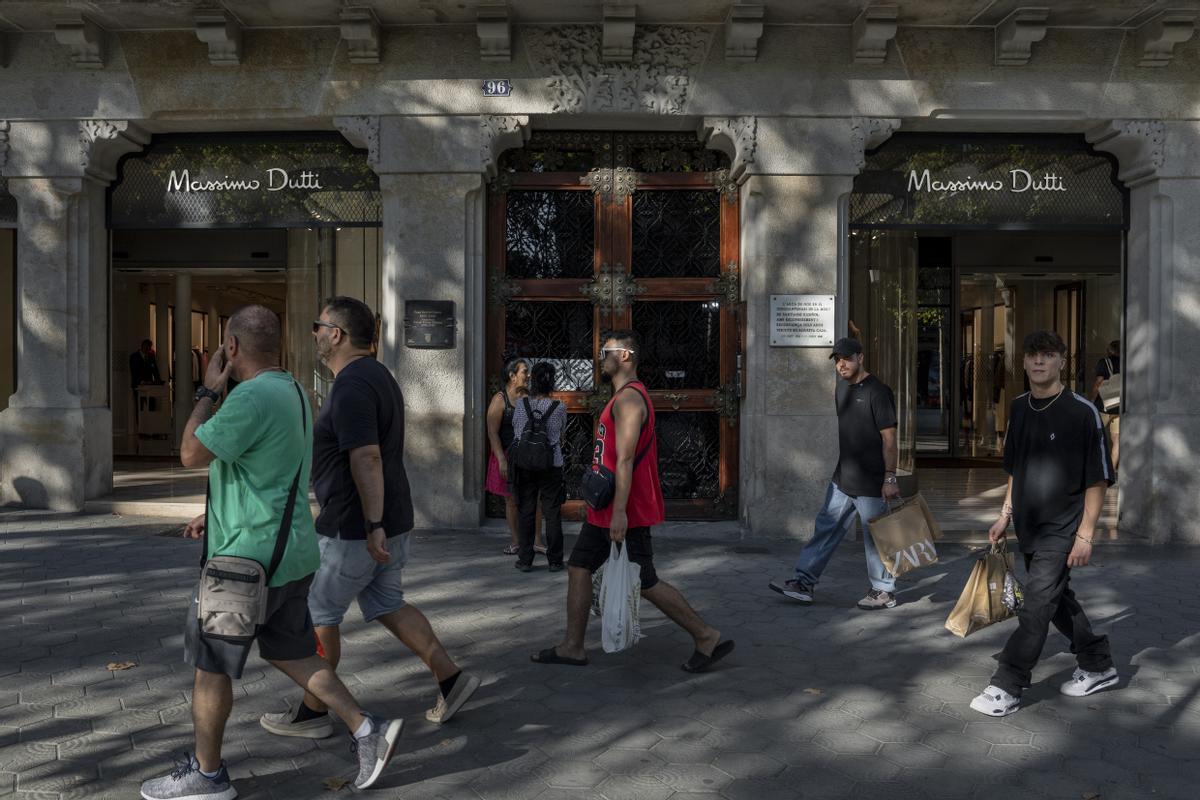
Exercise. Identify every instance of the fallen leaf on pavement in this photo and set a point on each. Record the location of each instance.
(812, 690)
(117, 666)
(335, 784)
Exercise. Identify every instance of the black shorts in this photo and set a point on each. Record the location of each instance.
(287, 635)
(592, 547)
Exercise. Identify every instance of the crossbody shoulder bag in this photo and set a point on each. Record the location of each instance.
(232, 601)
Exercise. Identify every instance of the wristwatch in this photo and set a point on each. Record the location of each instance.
(372, 526)
(891, 479)
(204, 392)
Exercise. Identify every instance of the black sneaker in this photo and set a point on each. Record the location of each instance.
(797, 590)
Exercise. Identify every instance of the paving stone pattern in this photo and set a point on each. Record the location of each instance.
(817, 702)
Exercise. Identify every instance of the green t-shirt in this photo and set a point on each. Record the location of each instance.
(259, 438)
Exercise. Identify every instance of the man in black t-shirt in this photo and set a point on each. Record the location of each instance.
(366, 512)
(863, 480)
(1058, 469)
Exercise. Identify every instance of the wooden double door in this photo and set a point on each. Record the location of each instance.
(574, 254)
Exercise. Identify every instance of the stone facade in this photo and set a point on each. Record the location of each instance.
(794, 107)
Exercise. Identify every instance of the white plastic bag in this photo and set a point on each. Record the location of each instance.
(620, 597)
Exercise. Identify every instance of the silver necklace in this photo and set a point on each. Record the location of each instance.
(1029, 399)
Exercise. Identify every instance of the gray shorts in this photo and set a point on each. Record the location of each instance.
(348, 573)
(287, 635)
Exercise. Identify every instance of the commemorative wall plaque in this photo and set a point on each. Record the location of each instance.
(429, 324)
(802, 320)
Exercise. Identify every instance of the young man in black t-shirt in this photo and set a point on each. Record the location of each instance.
(366, 512)
(1057, 462)
(863, 481)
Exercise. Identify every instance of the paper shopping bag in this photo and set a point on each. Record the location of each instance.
(904, 537)
(982, 600)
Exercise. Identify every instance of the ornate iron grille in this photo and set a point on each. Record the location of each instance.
(681, 343)
(271, 181)
(560, 333)
(689, 450)
(987, 182)
(582, 151)
(577, 442)
(549, 234)
(676, 234)
(8, 204)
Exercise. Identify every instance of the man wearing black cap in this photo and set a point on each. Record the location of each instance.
(863, 481)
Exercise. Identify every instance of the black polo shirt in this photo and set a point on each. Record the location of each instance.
(863, 410)
(364, 407)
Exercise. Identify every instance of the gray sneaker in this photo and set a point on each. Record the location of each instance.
(799, 591)
(186, 782)
(447, 707)
(877, 599)
(284, 724)
(375, 749)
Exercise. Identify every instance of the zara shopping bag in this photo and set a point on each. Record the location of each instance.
(904, 536)
(982, 601)
(620, 597)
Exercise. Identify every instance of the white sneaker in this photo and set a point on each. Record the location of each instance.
(1083, 683)
(995, 702)
(283, 724)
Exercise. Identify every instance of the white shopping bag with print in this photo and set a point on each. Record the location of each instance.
(620, 596)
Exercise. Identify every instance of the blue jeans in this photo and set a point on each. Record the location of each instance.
(832, 523)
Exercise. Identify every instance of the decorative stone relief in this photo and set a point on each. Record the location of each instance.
(85, 40)
(868, 133)
(360, 32)
(1158, 37)
(737, 137)
(743, 29)
(657, 80)
(1139, 145)
(102, 142)
(497, 134)
(223, 34)
(613, 185)
(495, 33)
(1015, 36)
(361, 132)
(874, 28)
(619, 26)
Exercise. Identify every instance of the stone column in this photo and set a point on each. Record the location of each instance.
(56, 434)
(431, 175)
(1160, 418)
(181, 405)
(793, 238)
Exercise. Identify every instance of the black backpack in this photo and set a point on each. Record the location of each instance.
(533, 450)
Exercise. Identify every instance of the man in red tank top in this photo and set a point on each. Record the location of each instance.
(625, 444)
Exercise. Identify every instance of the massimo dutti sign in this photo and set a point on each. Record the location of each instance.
(1019, 180)
(258, 181)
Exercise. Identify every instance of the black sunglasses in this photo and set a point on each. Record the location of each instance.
(318, 324)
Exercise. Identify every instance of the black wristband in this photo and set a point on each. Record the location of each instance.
(371, 526)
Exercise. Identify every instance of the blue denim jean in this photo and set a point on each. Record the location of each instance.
(832, 523)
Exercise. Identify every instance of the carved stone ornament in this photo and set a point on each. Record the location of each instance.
(743, 29)
(656, 80)
(737, 137)
(1017, 33)
(1139, 145)
(360, 32)
(102, 142)
(725, 184)
(874, 28)
(729, 285)
(494, 29)
(868, 133)
(85, 40)
(612, 185)
(501, 290)
(223, 34)
(498, 133)
(1158, 37)
(361, 132)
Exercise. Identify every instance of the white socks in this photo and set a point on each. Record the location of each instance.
(364, 729)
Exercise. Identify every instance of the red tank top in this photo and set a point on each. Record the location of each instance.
(645, 506)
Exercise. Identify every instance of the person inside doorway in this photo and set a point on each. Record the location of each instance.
(1109, 369)
(863, 480)
(143, 366)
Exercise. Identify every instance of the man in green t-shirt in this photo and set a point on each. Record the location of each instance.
(257, 447)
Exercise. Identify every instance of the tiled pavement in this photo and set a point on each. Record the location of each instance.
(819, 702)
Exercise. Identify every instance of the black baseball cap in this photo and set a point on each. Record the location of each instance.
(845, 347)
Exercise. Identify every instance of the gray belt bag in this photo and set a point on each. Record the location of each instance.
(233, 590)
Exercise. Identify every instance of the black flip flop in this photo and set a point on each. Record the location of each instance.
(549, 656)
(700, 662)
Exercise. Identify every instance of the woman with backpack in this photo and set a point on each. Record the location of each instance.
(500, 437)
(537, 462)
